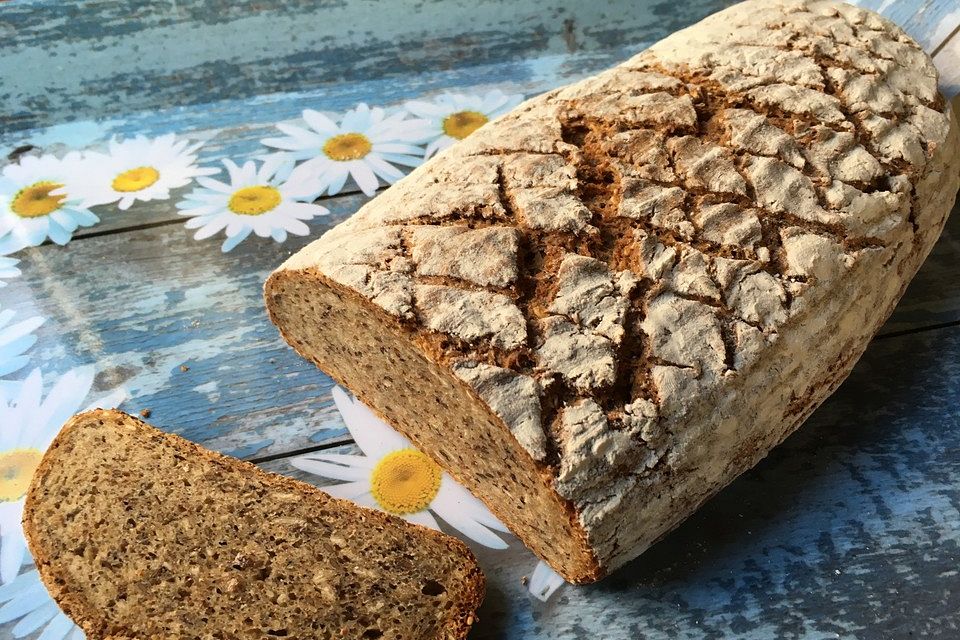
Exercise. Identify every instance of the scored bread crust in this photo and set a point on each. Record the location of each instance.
(74, 603)
(630, 289)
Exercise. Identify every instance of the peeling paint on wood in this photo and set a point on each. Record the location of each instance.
(142, 303)
(142, 56)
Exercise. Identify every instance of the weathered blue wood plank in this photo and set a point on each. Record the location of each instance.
(141, 305)
(126, 56)
(851, 528)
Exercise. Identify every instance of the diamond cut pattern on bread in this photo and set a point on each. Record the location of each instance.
(682, 225)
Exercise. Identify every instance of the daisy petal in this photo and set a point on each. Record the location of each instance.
(231, 242)
(397, 147)
(286, 144)
(544, 582)
(346, 459)
(301, 136)
(406, 161)
(12, 550)
(214, 185)
(364, 177)
(295, 227)
(348, 490)
(453, 496)
(374, 437)
(319, 122)
(330, 470)
(35, 619)
(212, 228)
(384, 170)
(337, 178)
(469, 527)
(58, 628)
(24, 602)
(422, 518)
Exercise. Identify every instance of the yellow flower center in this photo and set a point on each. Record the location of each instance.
(405, 481)
(135, 179)
(35, 201)
(254, 201)
(462, 123)
(347, 146)
(16, 470)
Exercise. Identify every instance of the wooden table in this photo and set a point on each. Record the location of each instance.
(849, 529)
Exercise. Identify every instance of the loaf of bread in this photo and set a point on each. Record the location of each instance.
(140, 534)
(598, 310)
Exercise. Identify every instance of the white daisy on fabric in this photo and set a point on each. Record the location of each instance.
(34, 205)
(366, 144)
(260, 201)
(26, 599)
(395, 477)
(8, 269)
(15, 340)
(140, 168)
(29, 424)
(544, 582)
(454, 116)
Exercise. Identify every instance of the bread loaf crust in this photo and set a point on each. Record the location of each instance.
(653, 276)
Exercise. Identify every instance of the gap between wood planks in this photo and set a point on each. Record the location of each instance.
(299, 452)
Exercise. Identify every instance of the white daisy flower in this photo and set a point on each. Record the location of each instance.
(34, 205)
(544, 582)
(8, 269)
(15, 340)
(29, 425)
(137, 169)
(27, 599)
(395, 477)
(259, 201)
(453, 116)
(365, 145)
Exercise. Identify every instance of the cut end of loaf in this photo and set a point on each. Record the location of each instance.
(371, 353)
(141, 534)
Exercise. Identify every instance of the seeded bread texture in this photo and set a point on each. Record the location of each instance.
(601, 308)
(141, 534)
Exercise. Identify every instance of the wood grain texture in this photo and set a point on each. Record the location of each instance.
(851, 528)
(142, 56)
(142, 303)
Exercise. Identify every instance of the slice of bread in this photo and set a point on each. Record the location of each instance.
(142, 534)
